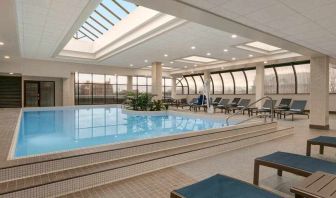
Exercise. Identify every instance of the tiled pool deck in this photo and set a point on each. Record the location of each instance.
(238, 163)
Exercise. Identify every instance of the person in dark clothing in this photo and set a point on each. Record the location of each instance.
(201, 99)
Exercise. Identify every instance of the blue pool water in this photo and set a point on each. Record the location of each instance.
(67, 129)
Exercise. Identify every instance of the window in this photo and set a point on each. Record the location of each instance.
(303, 78)
(199, 83)
(185, 86)
(270, 82)
(167, 87)
(179, 86)
(240, 82)
(99, 89)
(332, 79)
(228, 83)
(286, 79)
(142, 84)
(217, 84)
(192, 85)
(251, 77)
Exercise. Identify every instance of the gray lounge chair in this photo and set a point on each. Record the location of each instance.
(223, 104)
(216, 101)
(221, 186)
(284, 104)
(183, 102)
(234, 102)
(242, 104)
(292, 163)
(266, 108)
(321, 141)
(297, 107)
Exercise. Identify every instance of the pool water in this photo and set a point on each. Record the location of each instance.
(67, 129)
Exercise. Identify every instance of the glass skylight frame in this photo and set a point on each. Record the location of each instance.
(199, 59)
(103, 18)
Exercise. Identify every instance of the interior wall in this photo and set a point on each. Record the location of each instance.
(58, 87)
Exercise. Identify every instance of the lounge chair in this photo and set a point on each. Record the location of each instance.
(292, 163)
(223, 104)
(322, 141)
(183, 102)
(216, 101)
(234, 102)
(204, 104)
(221, 186)
(284, 103)
(242, 104)
(266, 108)
(297, 107)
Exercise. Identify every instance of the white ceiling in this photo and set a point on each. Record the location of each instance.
(311, 23)
(42, 24)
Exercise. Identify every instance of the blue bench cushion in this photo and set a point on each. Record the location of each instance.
(220, 186)
(324, 139)
(305, 163)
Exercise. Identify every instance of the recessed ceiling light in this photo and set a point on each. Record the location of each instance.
(162, 64)
(263, 46)
(11, 73)
(226, 50)
(166, 55)
(198, 59)
(7, 57)
(146, 61)
(233, 58)
(131, 65)
(208, 54)
(250, 55)
(1, 43)
(265, 62)
(171, 62)
(185, 66)
(234, 36)
(193, 47)
(195, 65)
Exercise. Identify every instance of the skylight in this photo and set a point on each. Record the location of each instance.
(263, 46)
(199, 59)
(104, 17)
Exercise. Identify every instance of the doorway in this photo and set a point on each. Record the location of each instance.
(39, 93)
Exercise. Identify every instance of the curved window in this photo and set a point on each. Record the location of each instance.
(251, 77)
(179, 86)
(270, 83)
(240, 82)
(286, 79)
(228, 83)
(191, 83)
(332, 80)
(303, 78)
(166, 87)
(217, 84)
(199, 83)
(185, 86)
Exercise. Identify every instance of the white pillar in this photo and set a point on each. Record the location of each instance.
(259, 84)
(207, 78)
(173, 87)
(69, 90)
(319, 92)
(157, 80)
(129, 83)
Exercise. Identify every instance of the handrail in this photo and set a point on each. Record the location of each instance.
(243, 109)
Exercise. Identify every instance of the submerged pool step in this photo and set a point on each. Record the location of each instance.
(80, 178)
(116, 153)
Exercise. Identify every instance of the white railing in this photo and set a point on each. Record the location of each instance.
(243, 109)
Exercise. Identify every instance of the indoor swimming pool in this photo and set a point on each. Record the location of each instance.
(65, 129)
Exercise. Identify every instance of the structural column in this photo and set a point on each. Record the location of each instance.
(129, 83)
(69, 90)
(259, 83)
(207, 79)
(157, 80)
(319, 92)
(173, 91)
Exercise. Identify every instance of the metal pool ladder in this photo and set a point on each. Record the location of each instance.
(243, 109)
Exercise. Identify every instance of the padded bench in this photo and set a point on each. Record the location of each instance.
(292, 163)
(221, 186)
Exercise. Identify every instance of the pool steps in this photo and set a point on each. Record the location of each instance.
(132, 162)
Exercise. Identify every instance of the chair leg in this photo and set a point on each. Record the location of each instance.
(256, 173)
(321, 149)
(279, 172)
(292, 117)
(308, 150)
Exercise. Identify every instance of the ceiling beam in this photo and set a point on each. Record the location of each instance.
(192, 13)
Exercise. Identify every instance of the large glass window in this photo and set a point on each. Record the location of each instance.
(192, 85)
(251, 77)
(99, 89)
(179, 86)
(167, 87)
(228, 83)
(270, 83)
(217, 84)
(240, 82)
(199, 83)
(332, 79)
(142, 84)
(286, 79)
(303, 78)
(185, 86)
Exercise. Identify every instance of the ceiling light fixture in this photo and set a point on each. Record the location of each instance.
(131, 65)
(208, 54)
(234, 36)
(265, 62)
(166, 55)
(11, 73)
(233, 58)
(195, 65)
(193, 47)
(1, 43)
(226, 50)
(162, 64)
(197, 59)
(146, 61)
(186, 67)
(250, 55)
(7, 57)
(171, 62)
